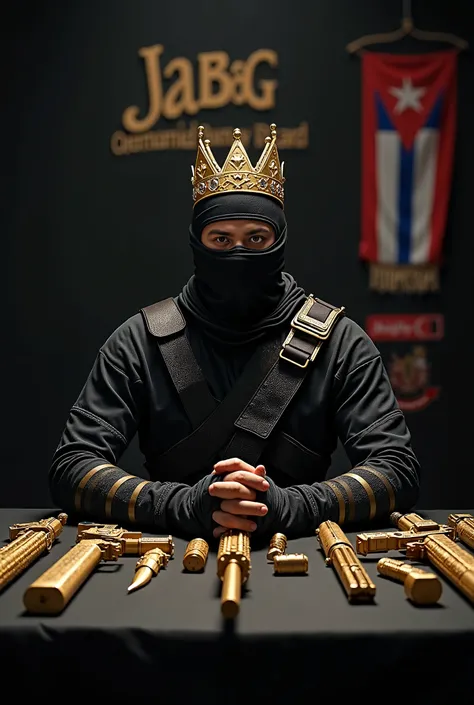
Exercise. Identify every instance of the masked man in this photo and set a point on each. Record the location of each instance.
(238, 388)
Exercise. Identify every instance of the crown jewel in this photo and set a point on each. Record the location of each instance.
(238, 174)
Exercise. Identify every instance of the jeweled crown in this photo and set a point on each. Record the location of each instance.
(238, 174)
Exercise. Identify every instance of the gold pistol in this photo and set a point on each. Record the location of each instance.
(52, 591)
(27, 542)
(341, 555)
(409, 525)
(233, 568)
(464, 525)
(134, 543)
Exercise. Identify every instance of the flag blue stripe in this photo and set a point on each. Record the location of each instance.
(383, 119)
(405, 191)
(434, 118)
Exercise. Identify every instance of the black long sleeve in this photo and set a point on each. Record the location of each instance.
(375, 436)
(85, 478)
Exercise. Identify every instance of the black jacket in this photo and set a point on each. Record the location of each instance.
(347, 395)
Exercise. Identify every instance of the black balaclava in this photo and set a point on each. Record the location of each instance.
(239, 295)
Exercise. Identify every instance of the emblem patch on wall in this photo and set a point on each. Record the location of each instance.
(406, 342)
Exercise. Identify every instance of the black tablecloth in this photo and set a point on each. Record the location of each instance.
(296, 638)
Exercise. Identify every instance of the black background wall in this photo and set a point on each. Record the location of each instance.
(89, 237)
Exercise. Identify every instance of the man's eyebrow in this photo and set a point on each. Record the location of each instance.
(258, 229)
(216, 231)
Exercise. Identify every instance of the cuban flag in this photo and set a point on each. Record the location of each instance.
(408, 134)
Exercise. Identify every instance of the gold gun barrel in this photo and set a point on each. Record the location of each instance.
(451, 559)
(341, 555)
(52, 591)
(143, 544)
(27, 542)
(233, 568)
(413, 522)
(382, 541)
(421, 587)
(464, 525)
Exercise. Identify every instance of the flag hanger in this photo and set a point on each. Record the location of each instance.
(406, 29)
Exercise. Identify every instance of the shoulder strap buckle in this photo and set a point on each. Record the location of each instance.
(310, 327)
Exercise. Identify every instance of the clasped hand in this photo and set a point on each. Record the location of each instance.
(238, 491)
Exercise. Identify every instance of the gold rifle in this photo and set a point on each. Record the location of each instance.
(52, 591)
(27, 542)
(134, 543)
(464, 525)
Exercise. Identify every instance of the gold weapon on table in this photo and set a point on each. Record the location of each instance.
(340, 554)
(52, 591)
(147, 566)
(421, 587)
(195, 555)
(453, 561)
(134, 543)
(418, 528)
(437, 545)
(464, 526)
(233, 568)
(27, 542)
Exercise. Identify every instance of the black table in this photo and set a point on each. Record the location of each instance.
(296, 638)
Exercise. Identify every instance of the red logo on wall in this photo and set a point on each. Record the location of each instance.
(409, 369)
(405, 326)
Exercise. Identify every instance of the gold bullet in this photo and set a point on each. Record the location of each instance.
(147, 566)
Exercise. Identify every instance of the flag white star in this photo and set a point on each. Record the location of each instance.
(408, 96)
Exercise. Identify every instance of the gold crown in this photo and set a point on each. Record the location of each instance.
(237, 174)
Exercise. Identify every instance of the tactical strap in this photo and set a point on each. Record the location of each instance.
(199, 450)
(311, 326)
(276, 378)
(166, 323)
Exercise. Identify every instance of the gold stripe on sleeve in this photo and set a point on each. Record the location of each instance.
(350, 496)
(368, 489)
(386, 482)
(340, 500)
(84, 481)
(110, 497)
(133, 499)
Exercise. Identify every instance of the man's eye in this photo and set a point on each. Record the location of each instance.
(256, 239)
(222, 240)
